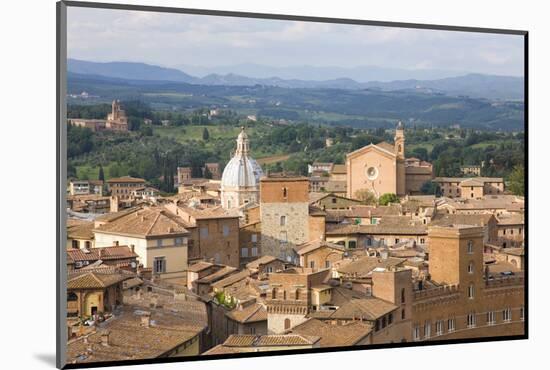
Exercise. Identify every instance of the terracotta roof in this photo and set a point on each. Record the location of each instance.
(231, 279)
(515, 219)
(334, 335)
(462, 219)
(126, 179)
(384, 228)
(83, 230)
(246, 340)
(200, 266)
(363, 266)
(107, 253)
(354, 306)
(514, 251)
(129, 340)
(218, 275)
(149, 221)
(93, 280)
(461, 179)
(264, 260)
(339, 169)
(252, 313)
(317, 244)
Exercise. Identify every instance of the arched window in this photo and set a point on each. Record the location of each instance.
(471, 268)
(287, 324)
(471, 291)
(71, 297)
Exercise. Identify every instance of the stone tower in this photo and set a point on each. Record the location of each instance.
(400, 158)
(456, 257)
(284, 212)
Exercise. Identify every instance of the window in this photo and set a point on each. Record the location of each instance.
(178, 241)
(491, 318)
(285, 192)
(471, 291)
(471, 320)
(428, 329)
(159, 265)
(471, 268)
(204, 232)
(396, 240)
(254, 238)
(244, 252)
(287, 324)
(422, 239)
(225, 230)
(352, 244)
(451, 325)
(282, 221)
(333, 200)
(88, 244)
(439, 327)
(416, 332)
(269, 269)
(228, 203)
(159, 242)
(507, 315)
(71, 297)
(511, 231)
(403, 314)
(273, 293)
(76, 244)
(312, 264)
(402, 295)
(283, 236)
(470, 249)
(522, 313)
(390, 318)
(254, 251)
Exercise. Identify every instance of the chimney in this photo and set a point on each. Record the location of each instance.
(105, 338)
(146, 319)
(133, 248)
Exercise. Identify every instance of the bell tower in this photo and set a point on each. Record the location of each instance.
(400, 158)
(400, 140)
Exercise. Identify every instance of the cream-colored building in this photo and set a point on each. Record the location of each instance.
(159, 238)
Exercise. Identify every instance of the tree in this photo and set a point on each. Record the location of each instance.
(366, 196)
(101, 174)
(430, 188)
(388, 198)
(517, 180)
(205, 134)
(207, 173)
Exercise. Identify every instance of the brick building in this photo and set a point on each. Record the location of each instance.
(284, 213)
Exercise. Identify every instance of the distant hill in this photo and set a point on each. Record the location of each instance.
(128, 70)
(352, 107)
(472, 85)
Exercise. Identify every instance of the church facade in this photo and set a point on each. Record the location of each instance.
(382, 168)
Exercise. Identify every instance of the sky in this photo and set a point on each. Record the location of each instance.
(203, 44)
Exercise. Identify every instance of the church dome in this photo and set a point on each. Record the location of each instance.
(241, 171)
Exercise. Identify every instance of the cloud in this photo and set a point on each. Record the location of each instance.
(179, 39)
